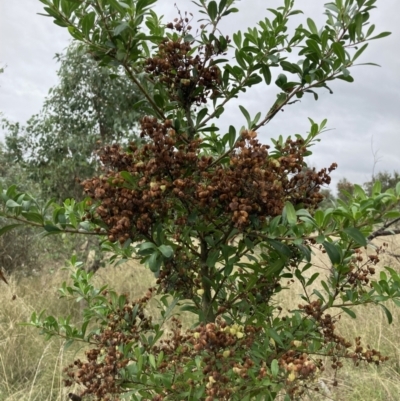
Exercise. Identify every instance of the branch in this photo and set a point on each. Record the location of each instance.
(382, 231)
(65, 230)
(148, 97)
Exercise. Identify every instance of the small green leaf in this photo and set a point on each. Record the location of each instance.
(381, 35)
(377, 188)
(152, 361)
(88, 23)
(153, 262)
(358, 53)
(231, 136)
(274, 368)
(387, 313)
(274, 335)
(312, 26)
(117, 6)
(290, 214)
(147, 245)
(319, 218)
(10, 203)
(5, 229)
(266, 74)
(200, 115)
(312, 279)
(356, 235)
(332, 251)
(52, 229)
(212, 10)
(166, 250)
(349, 312)
(398, 188)
(338, 49)
(212, 258)
(120, 28)
(246, 114)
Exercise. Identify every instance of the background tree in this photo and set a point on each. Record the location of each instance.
(344, 189)
(92, 105)
(387, 180)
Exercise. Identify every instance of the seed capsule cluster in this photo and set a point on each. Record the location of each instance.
(189, 78)
(167, 174)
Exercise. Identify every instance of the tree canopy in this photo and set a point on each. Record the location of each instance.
(92, 105)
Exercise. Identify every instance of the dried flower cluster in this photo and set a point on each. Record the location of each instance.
(189, 78)
(301, 370)
(223, 352)
(151, 183)
(101, 376)
(361, 270)
(339, 346)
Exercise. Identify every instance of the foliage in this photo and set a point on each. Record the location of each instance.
(386, 180)
(345, 189)
(90, 106)
(223, 221)
(22, 250)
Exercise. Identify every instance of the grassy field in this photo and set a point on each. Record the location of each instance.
(30, 367)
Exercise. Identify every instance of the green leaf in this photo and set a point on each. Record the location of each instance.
(117, 6)
(319, 218)
(12, 204)
(393, 214)
(153, 262)
(381, 35)
(266, 73)
(281, 80)
(312, 26)
(212, 10)
(5, 229)
(120, 28)
(387, 313)
(88, 23)
(274, 368)
(166, 250)
(347, 78)
(332, 251)
(212, 258)
(34, 217)
(280, 247)
(200, 115)
(159, 100)
(50, 228)
(147, 245)
(75, 33)
(398, 188)
(339, 51)
(313, 46)
(356, 235)
(377, 188)
(232, 136)
(246, 114)
(290, 213)
(349, 312)
(312, 279)
(358, 53)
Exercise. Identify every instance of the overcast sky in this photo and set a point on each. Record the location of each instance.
(364, 116)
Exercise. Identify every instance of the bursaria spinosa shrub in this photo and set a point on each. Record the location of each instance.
(226, 223)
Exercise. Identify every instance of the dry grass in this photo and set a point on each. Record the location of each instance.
(30, 367)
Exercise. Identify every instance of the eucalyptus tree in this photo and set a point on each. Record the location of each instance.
(92, 105)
